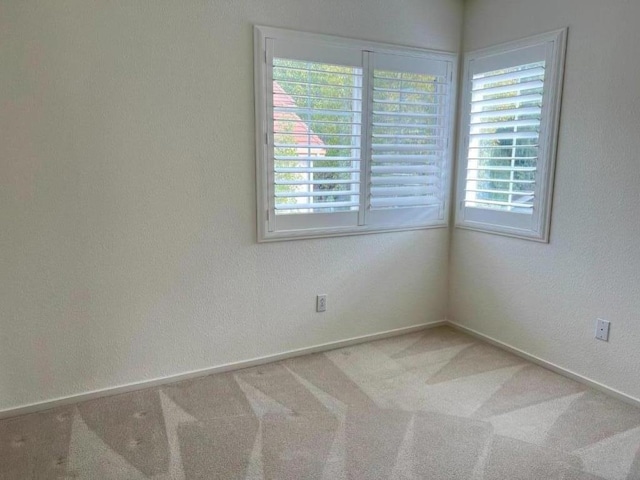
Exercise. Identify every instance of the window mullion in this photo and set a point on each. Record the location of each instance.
(365, 135)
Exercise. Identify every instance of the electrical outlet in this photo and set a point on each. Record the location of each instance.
(602, 330)
(321, 303)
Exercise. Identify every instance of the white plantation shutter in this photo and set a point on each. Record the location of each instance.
(510, 119)
(314, 135)
(504, 135)
(350, 139)
(410, 117)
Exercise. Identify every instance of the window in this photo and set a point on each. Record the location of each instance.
(509, 128)
(352, 137)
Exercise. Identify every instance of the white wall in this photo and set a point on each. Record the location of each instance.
(127, 198)
(542, 298)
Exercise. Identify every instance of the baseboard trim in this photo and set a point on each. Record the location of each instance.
(130, 387)
(106, 392)
(548, 365)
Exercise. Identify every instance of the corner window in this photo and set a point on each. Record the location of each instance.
(352, 137)
(509, 129)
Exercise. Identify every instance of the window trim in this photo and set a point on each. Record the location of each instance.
(263, 175)
(555, 44)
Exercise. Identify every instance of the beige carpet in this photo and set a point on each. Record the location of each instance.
(432, 405)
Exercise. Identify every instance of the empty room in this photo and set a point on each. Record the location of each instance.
(333, 240)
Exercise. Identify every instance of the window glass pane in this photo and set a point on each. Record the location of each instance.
(408, 139)
(317, 117)
(502, 156)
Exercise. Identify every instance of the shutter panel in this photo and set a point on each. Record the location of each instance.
(510, 124)
(409, 125)
(504, 133)
(315, 135)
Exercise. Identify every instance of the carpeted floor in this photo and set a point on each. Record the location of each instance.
(431, 405)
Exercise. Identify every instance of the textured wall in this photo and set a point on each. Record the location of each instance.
(542, 298)
(127, 218)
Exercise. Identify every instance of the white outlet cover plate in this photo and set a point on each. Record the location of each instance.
(321, 303)
(602, 329)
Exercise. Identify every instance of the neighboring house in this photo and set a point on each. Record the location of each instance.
(283, 121)
(307, 144)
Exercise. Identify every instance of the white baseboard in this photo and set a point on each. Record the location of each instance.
(72, 399)
(106, 392)
(548, 365)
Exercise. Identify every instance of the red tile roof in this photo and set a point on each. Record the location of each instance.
(302, 134)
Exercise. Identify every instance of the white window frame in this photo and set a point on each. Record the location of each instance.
(534, 226)
(329, 224)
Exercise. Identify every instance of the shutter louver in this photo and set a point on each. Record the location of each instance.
(502, 156)
(317, 115)
(409, 121)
